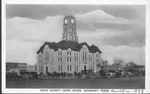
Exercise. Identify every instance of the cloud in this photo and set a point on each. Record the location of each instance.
(100, 19)
(98, 36)
(23, 52)
(102, 16)
(123, 30)
(29, 29)
(128, 54)
(41, 11)
(24, 37)
(115, 36)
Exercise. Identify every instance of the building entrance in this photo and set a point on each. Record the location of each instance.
(84, 67)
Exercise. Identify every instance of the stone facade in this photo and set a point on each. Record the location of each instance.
(68, 55)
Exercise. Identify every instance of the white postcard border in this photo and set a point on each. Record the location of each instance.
(94, 2)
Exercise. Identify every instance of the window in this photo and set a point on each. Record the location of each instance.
(58, 59)
(68, 52)
(76, 67)
(97, 60)
(70, 59)
(74, 57)
(61, 59)
(40, 58)
(97, 55)
(58, 68)
(77, 57)
(46, 57)
(70, 67)
(68, 37)
(84, 57)
(71, 37)
(67, 59)
(67, 67)
(61, 68)
(59, 52)
(90, 58)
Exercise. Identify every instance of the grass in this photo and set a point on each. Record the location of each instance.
(114, 83)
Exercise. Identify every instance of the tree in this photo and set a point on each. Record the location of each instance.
(118, 62)
(104, 64)
(130, 66)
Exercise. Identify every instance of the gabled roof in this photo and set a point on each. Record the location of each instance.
(64, 45)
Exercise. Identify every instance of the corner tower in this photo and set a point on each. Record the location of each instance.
(69, 29)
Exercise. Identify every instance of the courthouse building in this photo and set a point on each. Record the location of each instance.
(68, 55)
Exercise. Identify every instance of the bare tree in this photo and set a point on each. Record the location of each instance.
(130, 66)
(118, 62)
(103, 65)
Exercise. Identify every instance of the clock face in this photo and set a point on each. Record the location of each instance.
(66, 21)
(72, 20)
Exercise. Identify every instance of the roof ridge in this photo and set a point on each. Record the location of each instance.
(64, 45)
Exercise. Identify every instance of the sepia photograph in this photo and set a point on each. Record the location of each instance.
(75, 47)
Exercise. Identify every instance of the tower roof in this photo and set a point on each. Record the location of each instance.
(69, 16)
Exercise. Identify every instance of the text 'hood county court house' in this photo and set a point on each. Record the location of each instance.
(68, 55)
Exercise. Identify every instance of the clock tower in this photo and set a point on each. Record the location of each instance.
(69, 29)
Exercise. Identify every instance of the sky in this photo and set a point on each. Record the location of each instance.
(117, 30)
